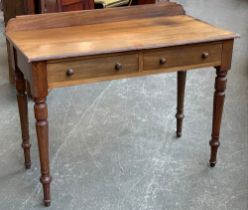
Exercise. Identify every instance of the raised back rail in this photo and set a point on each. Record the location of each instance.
(89, 17)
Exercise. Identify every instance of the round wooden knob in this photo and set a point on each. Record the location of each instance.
(205, 55)
(118, 66)
(69, 72)
(162, 61)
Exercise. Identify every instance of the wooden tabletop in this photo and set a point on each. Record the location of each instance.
(110, 37)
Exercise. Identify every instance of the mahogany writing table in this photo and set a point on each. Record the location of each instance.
(58, 50)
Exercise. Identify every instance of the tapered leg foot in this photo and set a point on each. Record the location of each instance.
(46, 189)
(22, 99)
(219, 98)
(47, 203)
(181, 81)
(179, 134)
(212, 164)
(40, 109)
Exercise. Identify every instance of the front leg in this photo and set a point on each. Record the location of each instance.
(40, 109)
(219, 98)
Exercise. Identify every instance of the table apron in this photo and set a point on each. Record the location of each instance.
(89, 69)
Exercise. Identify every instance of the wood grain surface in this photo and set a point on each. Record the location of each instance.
(134, 34)
(151, 30)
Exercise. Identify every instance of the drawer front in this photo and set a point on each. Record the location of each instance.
(187, 56)
(88, 68)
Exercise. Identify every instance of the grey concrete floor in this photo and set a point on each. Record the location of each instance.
(113, 144)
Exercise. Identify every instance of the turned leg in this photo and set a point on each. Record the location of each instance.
(21, 86)
(181, 80)
(40, 109)
(219, 97)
